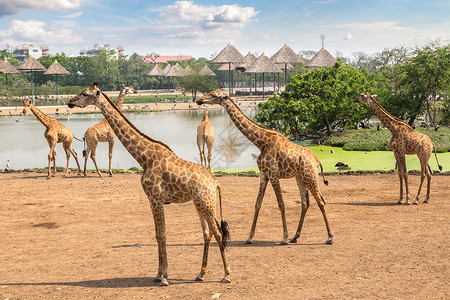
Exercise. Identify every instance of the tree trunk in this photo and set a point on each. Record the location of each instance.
(327, 123)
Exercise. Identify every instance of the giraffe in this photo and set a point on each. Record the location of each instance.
(166, 179)
(102, 132)
(405, 140)
(279, 159)
(205, 135)
(54, 133)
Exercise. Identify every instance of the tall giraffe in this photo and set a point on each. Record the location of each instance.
(205, 135)
(166, 179)
(54, 133)
(405, 140)
(102, 132)
(279, 158)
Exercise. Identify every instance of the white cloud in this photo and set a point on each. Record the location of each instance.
(73, 16)
(10, 7)
(207, 17)
(369, 26)
(36, 31)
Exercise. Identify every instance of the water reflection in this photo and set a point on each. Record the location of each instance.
(23, 142)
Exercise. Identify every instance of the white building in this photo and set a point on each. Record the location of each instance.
(22, 53)
(97, 48)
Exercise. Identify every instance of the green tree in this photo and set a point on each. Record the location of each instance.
(319, 101)
(420, 79)
(195, 82)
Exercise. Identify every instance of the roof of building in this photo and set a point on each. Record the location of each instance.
(164, 58)
(323, 58)
(56, 68)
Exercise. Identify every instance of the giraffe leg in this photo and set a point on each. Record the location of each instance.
(263, 180)
(321, 202)
(213, 225)
(429, 175)
(209, 154)
(305, 205)
(207, 233)
(277, 189)
(423, 172)
(111, 146)
(93, 150)
(86, 156)
(400, 161)
(160, 228)
(51, 155)
(67, 150)
(76, 159)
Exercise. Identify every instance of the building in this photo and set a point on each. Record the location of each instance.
(98, 48)
(22, 53)
(164, 59)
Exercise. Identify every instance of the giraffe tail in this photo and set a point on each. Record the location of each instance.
(435, 155)
(84, 146)
(223, 224)
(323, 176)
(78, 139)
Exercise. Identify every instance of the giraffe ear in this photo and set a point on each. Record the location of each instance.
(374, 96)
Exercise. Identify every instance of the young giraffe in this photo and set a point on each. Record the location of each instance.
(405, 140)
(166, 179)
(54, 133)
(102, 132)
(279, 158)
(205, 135)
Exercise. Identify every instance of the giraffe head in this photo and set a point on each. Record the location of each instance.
(214, 97)
(88, 96)
(365, 97)
(26, 104)
(128, 89)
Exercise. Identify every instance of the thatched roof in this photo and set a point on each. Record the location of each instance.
(31, 65)
(226, 67)
(229, 54)
(207, 71)
(282, 65)
(171, 71)
(188, 70)
(323, 58)
(7, 68)
(286, 55)
(56, 68)
(179, 69)
(249, 59)
(156, 71)
(263, 64)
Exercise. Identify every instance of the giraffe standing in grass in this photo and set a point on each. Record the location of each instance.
(405, 140)
(54, 133)
(166, 179)
(205, 135)
(279, 158)
(102, 132)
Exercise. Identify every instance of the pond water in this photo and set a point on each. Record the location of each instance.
(23, 142)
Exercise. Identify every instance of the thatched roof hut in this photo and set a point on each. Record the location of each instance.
(286, 55)
(56, 69)
(31, 65)
(229, 54)
(156, 71)
(207, 71)
(7, 68)
(263, 64)
(323, 58)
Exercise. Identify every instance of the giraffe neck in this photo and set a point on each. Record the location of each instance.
(121, 98)
(144, 149)
(388, 120)
(251, 130)
(43, 118)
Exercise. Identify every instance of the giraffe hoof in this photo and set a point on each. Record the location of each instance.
(425, 201)
(415, 203)
(164, 282)
(330, 240)
(284, 242)
(225, 280)
(293, 241)
(399, 202)
(407, 203)
(199, 278)
(249, 241)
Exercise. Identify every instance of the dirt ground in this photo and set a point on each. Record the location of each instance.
(93, 238)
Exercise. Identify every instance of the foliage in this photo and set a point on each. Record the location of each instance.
(196, 82)
(320, 100)
(374, 140)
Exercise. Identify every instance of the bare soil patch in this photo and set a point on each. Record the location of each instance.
(84, 238)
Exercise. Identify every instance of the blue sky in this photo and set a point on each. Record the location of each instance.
(203, 28)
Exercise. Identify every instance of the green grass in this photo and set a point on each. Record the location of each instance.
(374, 140)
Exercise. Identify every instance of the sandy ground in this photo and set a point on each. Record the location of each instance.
(92, 238)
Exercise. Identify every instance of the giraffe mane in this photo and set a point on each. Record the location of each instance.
(388, 113)
(134, 127)
(249, 119)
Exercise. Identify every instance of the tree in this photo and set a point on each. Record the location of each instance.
(320, 101)
(421, 79)
(195, 82)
